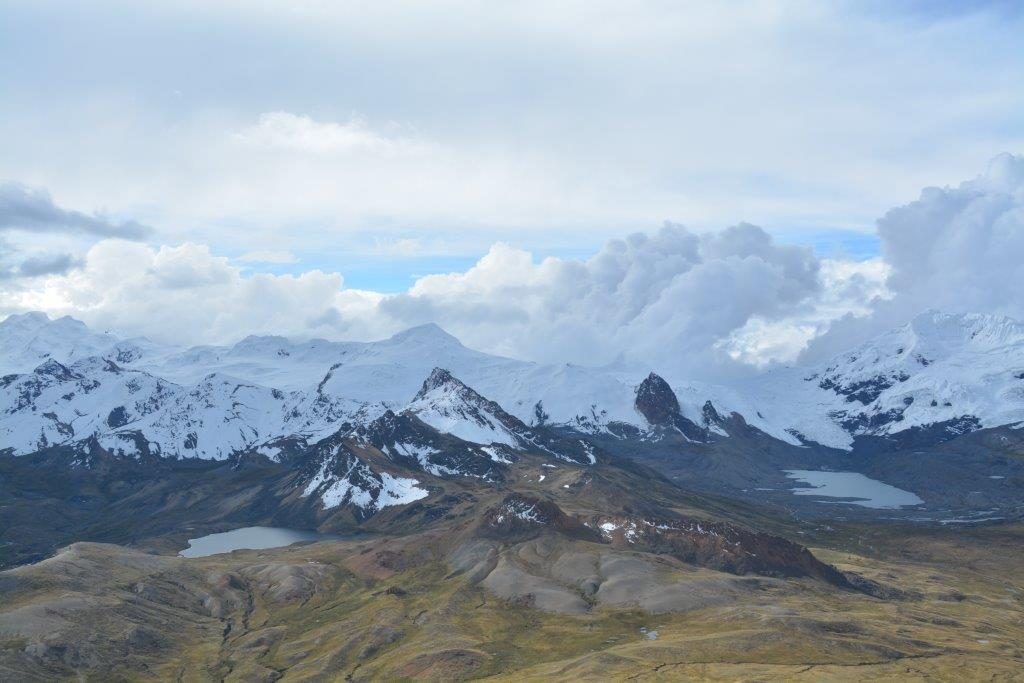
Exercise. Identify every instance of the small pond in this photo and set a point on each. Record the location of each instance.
(853, 486)
(250, 538)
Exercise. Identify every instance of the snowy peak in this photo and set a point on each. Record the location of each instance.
(953, 332)
(440, 378)
(254, 344)
(336, 476)
(941, 373)
(33, 320)
(27, 339)
(448, 405)
(428, 335)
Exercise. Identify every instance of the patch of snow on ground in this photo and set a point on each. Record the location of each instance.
(399, 491)
(588, 450)
(519, 510)
(496, 455)
(271, 452)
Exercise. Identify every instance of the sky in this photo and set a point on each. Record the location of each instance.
(717, 187)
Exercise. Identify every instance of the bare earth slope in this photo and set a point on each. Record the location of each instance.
(408, 608)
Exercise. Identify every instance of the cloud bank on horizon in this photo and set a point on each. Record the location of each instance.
(161, 176)
(701, 304)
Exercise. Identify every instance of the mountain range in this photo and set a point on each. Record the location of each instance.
(466, 499)
(64, 383)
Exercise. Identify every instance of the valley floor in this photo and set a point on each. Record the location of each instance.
(394, 609)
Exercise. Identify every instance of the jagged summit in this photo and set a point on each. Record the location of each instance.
(52, 368)
(656, 401)
(449, 405)
(961, 370)
(438, 378)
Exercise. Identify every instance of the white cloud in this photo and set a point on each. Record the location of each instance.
(187, 295)
(284, 130)
(849, 288)
(686, 303)
(537, 122)
(957, 249)
(34, 211)
(411, 130)
(667, 299)
(268, 256)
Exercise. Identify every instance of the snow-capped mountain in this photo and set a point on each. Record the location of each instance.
(210, 402)
(955, 373)
(449, 406)
(948, 373)
(29, 339)
(336, 476)
(660, 407)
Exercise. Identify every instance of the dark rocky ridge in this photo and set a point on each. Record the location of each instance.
(656, 401)
(659, 405)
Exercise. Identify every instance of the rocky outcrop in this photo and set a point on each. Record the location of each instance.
(519, 517)
(405, 438)
(656, 401)
(718, 545)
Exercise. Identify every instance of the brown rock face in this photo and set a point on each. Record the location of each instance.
(719, 545)
(520, 517)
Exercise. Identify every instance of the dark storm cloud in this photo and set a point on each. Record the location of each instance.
(22, 208)
(57, 264)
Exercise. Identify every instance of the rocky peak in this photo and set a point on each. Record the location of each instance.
(439, 377)
(656, 401)
(520, 517)
(710, 414)
(448, 405)
(58, 371)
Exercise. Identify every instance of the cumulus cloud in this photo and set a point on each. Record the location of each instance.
(185, 295)
(689, 304)
(666, 298)
(33, 213)
(957, 249)
(849, 288)
(961, 248)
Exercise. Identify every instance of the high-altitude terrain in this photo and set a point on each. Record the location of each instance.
(493, 517)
